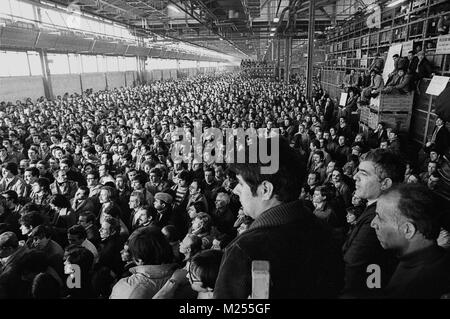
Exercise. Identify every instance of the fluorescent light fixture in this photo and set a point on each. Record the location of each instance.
(276, 19)
(272, 34)
(273, 29)
(393, 4)
(172, 7)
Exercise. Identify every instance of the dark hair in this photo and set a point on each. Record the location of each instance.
(95, 174)
(41, 231)
(60, 201)
(44, 286)
(156, 171)
(287, 180)
(420, 205)
(200, 184)
(185, 176)
(113, 222)
(31, 219)
(140, 178)
(81, 256)
(34, 171)
(85, 189)
(199, 207)
(151, 246)
(34, 261)
(320, 153)
(44, 183)
(317, 176)
(315, 143)
(77, 230)
(90, 217)
(12, 167)
(67, 161)
(206, 266)
(327, 191)
(12, 195)
(387, 164)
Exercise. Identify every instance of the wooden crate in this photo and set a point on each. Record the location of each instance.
(364, 129)
(400, 121)
(365, 114)
(392, 103)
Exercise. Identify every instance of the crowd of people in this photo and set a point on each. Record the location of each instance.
(92, 195)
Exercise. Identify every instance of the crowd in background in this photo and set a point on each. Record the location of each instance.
(88, 181)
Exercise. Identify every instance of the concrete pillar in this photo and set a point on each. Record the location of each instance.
(287, 62)
(309, 69)
(46, 76)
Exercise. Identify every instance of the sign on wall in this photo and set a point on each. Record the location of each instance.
(443, 44)
(343, 99)
(437, 85)
(364, 61)
(406, 47)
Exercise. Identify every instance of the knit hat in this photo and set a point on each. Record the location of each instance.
(166, 198)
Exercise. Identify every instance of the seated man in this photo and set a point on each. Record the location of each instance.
(375, 87)
(350, 80)
(400, 84)
(407, 222)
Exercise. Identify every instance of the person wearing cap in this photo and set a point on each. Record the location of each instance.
(10, 256)
(163, 205)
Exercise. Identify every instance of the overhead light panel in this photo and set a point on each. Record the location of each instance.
(393, 4)
(173, 8)
(276, 19)
(273, 29)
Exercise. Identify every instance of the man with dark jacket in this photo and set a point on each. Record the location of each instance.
(378, 171)
(407, 223)
(424, 67)
(10, 277)
(81, 202)
(304, 262)
(413, 61)
(401, 84)
(440, 138)
(111, 245)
